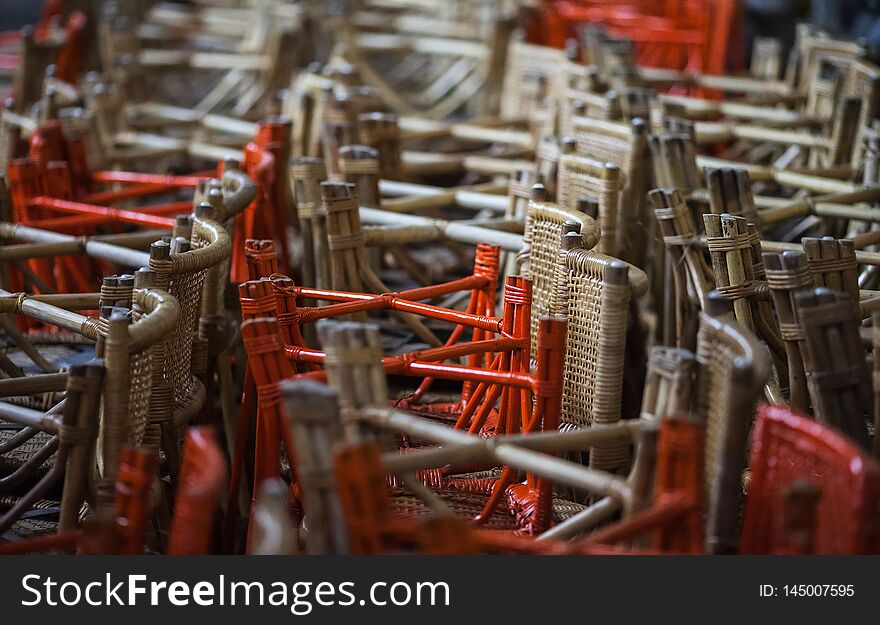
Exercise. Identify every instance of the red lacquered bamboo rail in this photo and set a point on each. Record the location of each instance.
(108, 213)
(133, 177)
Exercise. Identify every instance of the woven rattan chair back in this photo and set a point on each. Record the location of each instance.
(545, 225)
(787, 275)
(732, 368)
(533, 73)
(787, 447)
(593, 291)
(626, 145)
(132, 344)
(579, 177)
(834, 361)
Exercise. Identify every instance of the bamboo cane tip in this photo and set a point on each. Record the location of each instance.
(571, 240)
(539, 193)
(125, 279)
(616, 272)
(144, 278)
(717, 304)
(359, 152)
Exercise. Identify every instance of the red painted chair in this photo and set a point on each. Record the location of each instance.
(504, 373)
(787, 447)
(201, 483)
(677, 34)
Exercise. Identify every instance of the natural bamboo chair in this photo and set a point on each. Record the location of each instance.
(579, 178)
(626, 145)
(127, 344)
(434, 60)
(733, 367)
(834, 362)
(594, 293)
(545, 225)
(119, 520)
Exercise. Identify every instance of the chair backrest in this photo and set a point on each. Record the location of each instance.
(788, 447)
(545, 225)
(594, 292)
(533, 73)
(766, 61)
(732, 368)
(835, 362)
(580, 177)
(626, 145)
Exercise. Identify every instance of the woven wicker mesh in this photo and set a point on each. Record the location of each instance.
(34, 527)
(545, 230)
(141, 372)
(613, 145)
(186, 287)
(528, 65)
(579, 177)
(716, 355)
(14, 458)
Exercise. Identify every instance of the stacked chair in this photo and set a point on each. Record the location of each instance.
(449, 278)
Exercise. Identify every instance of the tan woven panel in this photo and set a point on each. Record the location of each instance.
(545, 237)
(602, 147)
(527, 64)
(582, 354)
(716, 358)
(139, 394)
(187, 289)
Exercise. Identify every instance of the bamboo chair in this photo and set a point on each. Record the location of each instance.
(787, 447)
(626, 145)
(464, 46)
(580, 177)
(594, 292)
(246, 43)
(127, 344)
(733, 367)
(538, 259)
(834, 362)
(454, 499)
(260, 302)
(76, 430)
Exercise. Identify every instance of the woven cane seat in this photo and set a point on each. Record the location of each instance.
(14, 458)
